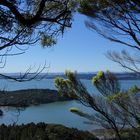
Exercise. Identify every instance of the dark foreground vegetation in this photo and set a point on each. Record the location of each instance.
(42, 131)
(24, 98)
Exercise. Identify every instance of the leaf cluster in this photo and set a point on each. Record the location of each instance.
(114, 108)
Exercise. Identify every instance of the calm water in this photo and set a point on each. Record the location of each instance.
(57, 112)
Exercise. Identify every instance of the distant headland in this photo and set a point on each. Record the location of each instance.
(28, 97)
(85, 75)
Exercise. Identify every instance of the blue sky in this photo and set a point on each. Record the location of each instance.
(79, 49)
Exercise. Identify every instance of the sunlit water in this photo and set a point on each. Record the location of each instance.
(57, 112)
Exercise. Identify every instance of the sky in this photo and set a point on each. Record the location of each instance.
(79, 49)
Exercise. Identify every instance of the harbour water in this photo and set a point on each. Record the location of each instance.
(57, 112)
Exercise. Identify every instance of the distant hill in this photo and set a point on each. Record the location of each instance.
(88, 76)
(28, 97)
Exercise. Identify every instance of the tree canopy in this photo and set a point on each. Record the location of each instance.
(25, 22)
(113, 107)
(117, 21)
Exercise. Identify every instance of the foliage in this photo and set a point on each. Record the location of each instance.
(26, 22)
(42, 131)
(120, 18)
(114, 108)
(117, 21)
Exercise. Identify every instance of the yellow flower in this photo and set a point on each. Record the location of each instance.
(74, 109)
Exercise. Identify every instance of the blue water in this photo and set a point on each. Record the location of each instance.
(57, 112)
